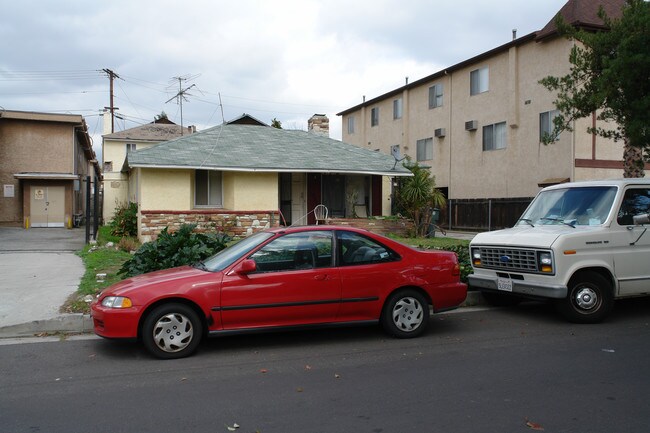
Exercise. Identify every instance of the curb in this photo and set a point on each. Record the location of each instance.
(66, 323)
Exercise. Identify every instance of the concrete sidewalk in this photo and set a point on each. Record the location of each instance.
(39, 270)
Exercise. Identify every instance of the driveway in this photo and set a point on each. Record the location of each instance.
(40, 270)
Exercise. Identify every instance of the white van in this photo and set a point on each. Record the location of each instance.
(581, 244)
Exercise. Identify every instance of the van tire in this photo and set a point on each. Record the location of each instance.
(589, 300)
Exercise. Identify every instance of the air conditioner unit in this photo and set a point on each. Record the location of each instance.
(471, 125)
(440, 132)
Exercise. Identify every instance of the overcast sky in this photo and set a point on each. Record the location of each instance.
(271, 59)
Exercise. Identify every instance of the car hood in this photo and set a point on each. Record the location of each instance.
(157, 278)
(536, 237)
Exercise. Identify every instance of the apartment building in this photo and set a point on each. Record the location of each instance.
(478, 124)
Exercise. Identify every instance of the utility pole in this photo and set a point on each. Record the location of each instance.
(111, 76)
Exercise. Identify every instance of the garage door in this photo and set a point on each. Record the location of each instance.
(47, 206)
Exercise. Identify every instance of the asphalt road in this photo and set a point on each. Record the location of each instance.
(475, 371)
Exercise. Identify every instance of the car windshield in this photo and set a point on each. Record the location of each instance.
(570, 206)
(228, 256)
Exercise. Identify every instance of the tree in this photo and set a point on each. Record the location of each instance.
(161, 116)
(276, 123)
(610, 75)
(417, 196)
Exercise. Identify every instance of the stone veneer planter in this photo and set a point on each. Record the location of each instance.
(244, 223)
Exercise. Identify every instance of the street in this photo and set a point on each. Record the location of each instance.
(485, 370)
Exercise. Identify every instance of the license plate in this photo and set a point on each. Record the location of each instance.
(504, 284)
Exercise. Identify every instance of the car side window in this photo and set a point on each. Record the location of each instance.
(636, 201)
(296, 251)
(356, 249)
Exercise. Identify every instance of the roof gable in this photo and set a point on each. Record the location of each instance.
(150, 132)
(584, 14)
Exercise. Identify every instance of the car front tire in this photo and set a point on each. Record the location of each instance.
(406, 314)
(172, 331)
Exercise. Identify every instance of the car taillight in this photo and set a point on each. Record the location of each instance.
(455, 271)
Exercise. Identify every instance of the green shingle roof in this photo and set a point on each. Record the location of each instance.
(262, 148)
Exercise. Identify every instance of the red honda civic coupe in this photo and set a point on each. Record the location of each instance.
(283, 278)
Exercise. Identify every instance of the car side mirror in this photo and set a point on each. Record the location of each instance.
(644, 218)
(247, 266)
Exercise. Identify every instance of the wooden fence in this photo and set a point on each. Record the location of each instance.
(484, 214)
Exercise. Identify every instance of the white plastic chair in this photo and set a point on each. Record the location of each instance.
(320, 213)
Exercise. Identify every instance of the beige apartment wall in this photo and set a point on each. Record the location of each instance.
(165, 189)
(515, 97)
(250, 191)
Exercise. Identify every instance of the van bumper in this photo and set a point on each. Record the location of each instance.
(519, 287)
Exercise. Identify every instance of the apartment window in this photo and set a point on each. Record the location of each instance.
(208, 189)
(397, 108)
(374, 116)
(494, 136)
(424, 150)
(546, 124)
(479, 81)
(130, 147)
(435, 96)
(351, 125)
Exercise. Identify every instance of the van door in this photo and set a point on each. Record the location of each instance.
(632, 243)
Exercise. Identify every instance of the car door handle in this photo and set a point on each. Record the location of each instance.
(321, 277)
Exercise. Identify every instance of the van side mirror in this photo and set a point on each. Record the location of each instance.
(641, 219)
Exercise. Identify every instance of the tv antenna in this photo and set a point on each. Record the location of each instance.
(182, 93)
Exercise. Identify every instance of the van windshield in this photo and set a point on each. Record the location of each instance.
(570, 206)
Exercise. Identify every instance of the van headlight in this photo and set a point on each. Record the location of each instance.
(476, 257)
(545, 261)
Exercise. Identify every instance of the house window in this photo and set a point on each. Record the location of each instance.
(494, 136)
(546, 124)
(424, 149)
(130, 147)
(374, 116)
(351, 125)
(435, 96)
(479, 81)
(208, 188)
(397, 109)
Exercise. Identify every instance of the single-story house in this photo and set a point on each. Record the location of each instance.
(243, 176)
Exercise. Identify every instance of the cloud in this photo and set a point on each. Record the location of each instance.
(283, 59)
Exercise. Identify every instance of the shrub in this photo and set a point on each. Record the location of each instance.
(169, 250)
(125, 221)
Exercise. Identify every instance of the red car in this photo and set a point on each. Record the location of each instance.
(283, 278)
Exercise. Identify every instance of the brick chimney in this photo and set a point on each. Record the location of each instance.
(319, 124)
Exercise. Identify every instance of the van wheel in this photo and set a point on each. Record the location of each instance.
(589, 300)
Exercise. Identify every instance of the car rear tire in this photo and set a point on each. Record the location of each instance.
(406, 314)
(172, 331)
(589, 300)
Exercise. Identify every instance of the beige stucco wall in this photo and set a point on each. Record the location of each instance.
(116, 183)
(250, 191)
(515, 97)
(161, 189)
